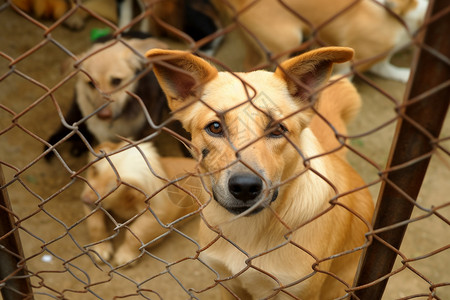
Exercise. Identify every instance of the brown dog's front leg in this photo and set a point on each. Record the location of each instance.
(98, 232)
(143, 230)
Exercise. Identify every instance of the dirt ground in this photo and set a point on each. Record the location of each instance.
(46, 199)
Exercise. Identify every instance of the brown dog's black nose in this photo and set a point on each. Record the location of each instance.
(245, 186)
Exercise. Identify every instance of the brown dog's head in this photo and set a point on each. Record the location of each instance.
(109, 72)
(250, 129)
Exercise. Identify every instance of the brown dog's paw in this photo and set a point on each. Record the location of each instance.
(43, 9)
(104, 251)
(126, 255)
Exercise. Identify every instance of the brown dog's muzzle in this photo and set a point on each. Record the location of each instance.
(244, 193)
(105, 113)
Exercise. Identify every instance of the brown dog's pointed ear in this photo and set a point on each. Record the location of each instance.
(180, 74)
(305, 73)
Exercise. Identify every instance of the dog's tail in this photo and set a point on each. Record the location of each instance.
(338, 105)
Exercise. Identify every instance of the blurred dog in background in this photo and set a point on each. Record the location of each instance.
(366, 26)
(45, 9)
(112, 80)
(139, 188)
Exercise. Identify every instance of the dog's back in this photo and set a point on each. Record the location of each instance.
(330, 125)
(338, 105)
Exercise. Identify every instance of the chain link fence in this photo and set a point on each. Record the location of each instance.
(78, 222)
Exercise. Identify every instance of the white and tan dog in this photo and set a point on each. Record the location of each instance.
(133, 185)
(112, 80)
(289, 213)
(102, 88)
(369, 28)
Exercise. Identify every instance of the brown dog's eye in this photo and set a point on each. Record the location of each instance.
(214, 129)
(278, 131)
(116, 81)
(91, 84)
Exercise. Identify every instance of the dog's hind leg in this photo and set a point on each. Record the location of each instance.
(278, 46)
(280, 35)
(387, 70)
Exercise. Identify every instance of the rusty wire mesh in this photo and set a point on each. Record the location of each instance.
(56, 255)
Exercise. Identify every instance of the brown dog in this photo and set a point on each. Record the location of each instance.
(133, 185)
(289, 213)
(366, 26)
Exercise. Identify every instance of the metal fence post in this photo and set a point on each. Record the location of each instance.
(416, 138)
(14, 283)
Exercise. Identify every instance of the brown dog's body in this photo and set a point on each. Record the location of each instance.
(285, 211)
(130, 195)
(367, 27)
(299, 201)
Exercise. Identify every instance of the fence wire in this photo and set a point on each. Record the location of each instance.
(95, 211)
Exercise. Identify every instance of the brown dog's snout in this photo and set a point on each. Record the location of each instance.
(245, 187)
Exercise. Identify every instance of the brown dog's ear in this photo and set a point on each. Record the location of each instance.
(305, 73)
(180, 74)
